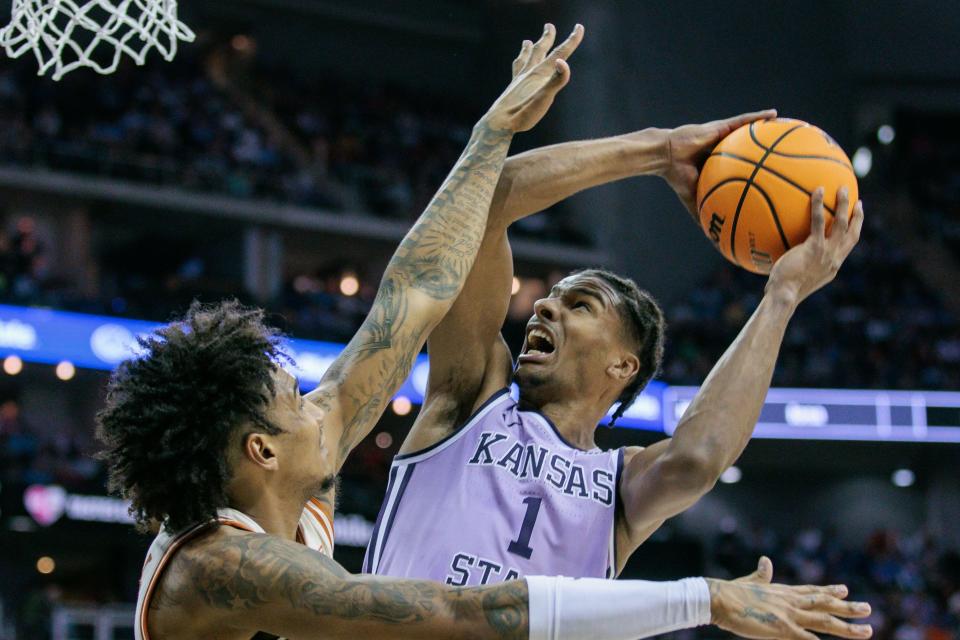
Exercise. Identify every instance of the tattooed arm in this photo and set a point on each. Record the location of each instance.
(429, 268)
(230, 581)
(253, 582)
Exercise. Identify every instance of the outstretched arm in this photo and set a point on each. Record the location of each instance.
(468, 358)
(538, 179)
(254, 582)
(431, 265)
(667, 478)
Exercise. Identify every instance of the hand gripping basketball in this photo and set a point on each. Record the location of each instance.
(689, 146)
(537, 78)
(815, 262)
(754, 189)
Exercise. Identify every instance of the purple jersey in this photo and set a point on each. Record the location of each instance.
(504, 497)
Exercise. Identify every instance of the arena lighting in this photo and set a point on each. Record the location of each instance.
(384, 440)
(349, 285)
(515, 287)
(102, 342)
(12, 365)
(241, 43)
(402, 405)
(862, 161)
(732, 475)
(65, 370)
(903, 478)
(886, 134)
(46, 565)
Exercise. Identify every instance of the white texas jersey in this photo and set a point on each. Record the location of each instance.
(315, 531)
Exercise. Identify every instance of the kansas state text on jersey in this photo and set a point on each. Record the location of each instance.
(503, 497)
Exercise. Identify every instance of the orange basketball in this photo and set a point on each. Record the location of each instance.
(754, 191)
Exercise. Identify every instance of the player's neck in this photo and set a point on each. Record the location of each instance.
(576, 421)
(279, 516)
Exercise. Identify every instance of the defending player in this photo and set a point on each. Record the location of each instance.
(492, 489)
(209, 437)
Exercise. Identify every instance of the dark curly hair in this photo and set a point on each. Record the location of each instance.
(645, 325)
(172, 412)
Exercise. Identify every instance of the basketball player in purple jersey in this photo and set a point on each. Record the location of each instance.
(487, 489)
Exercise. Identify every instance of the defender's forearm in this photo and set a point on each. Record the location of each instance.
(537, 179)
(437, 254)
(538, 608)
(719, 422)
(420, 284)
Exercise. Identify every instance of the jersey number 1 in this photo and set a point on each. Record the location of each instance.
(521, 546)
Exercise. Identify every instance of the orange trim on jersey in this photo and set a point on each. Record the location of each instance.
(327, 517)
(235, 524)
(324, 529)
(174, 546)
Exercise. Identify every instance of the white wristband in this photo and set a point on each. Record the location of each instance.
(565, 608)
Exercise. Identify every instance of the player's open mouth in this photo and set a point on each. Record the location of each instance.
(539, 347)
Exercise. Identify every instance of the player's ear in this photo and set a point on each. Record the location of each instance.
(260, 449)
(624, 367)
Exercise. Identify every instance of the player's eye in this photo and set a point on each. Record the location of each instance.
(581, 304)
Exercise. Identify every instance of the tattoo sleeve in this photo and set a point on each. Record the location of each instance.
(261, 583)
(419, 286)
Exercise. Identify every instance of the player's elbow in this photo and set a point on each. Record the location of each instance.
(695, 472)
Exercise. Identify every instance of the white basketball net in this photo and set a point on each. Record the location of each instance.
(65, 34)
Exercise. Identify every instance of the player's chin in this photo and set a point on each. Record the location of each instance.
(529, 374)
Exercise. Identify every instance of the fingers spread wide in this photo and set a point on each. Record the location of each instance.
(543, 45)
(566, 48)
(522, 60)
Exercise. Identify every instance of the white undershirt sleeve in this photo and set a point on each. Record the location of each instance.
(567, 608)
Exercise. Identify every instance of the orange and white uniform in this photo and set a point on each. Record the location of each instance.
(314, 531)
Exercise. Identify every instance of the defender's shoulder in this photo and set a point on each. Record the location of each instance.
(175, 607)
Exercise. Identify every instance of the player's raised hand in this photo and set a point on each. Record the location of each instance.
(752, 607)
(539, 72)
(815, 262)
(689, 146)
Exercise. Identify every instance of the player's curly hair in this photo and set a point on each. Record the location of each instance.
(172, 411)
(645, 325)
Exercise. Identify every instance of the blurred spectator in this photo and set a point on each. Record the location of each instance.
(927, 164)
(57, 455)
(22, 261)
(912, 582)
(379, 149)
(875, 326)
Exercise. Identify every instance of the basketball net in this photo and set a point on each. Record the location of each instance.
(65, 35)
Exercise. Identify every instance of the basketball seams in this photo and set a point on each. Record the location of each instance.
(709, 193)
(746, 188)
(798, 156)
(773, 212)
(727, 154)
(714, 188)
